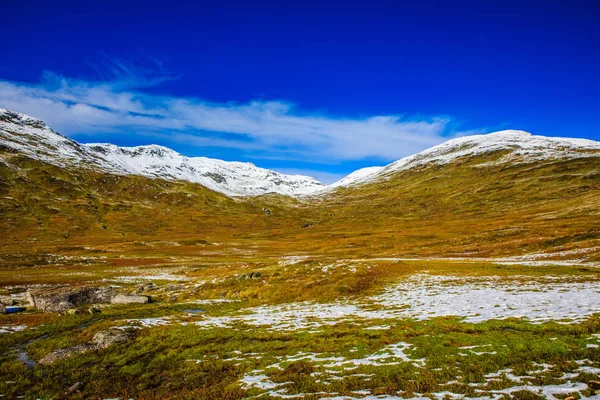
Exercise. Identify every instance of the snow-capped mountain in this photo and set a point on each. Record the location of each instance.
(34, 138)
(231, 178)
(518, 146)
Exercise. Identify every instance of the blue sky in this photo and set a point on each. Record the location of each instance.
(319, 88)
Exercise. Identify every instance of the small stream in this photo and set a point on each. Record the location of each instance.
(24, 358)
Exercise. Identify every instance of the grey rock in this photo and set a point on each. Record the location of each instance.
(74, 388)
(7, 302)
(63, 300)
(30, 299)
(2, 309)
(255, 275)
(146, 287)
(172, 299)
(130, 298)
(105, 339)
(67, 352)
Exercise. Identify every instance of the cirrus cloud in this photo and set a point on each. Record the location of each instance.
(267, 127)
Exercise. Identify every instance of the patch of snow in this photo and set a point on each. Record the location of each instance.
(12, 328)
(356, 177)
(548, 391)
(423, 297)
(145, 278)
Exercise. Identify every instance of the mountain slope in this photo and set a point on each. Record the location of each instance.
(503, 194)
(33, 138)
(518, 147)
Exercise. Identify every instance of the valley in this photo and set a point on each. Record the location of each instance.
(471, 270)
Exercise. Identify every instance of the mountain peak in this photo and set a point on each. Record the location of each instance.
(511, 133)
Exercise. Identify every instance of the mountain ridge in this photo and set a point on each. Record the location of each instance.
(34, 138)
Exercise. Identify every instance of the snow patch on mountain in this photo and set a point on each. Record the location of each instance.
(520, 146)
(358, 176)
(231, 178)
(34, 138)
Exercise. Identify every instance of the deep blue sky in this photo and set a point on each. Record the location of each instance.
(483, 65)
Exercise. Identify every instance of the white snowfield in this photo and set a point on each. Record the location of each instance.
(35, 139)
(423, 297)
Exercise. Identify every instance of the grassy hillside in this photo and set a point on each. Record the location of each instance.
(469, 208)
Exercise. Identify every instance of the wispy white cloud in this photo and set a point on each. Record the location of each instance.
(271, 128)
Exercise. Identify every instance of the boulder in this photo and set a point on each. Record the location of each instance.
(146, 287)
(7, 302)
(254, 275)
(30, 299)
(67, 352)
(63, 300)
(92, 295)
(130, 298)
(2, 309)
(105, 339)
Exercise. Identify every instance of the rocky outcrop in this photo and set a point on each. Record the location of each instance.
(129, 299)
(146, 287)
(105, 339)
(67, 352)
(63, 300)
(101, 340)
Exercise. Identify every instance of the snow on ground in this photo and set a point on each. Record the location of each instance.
(331, 368)
(145, 278)
(12, 328)
(424, 297)
(291, 260)
(537, 259)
